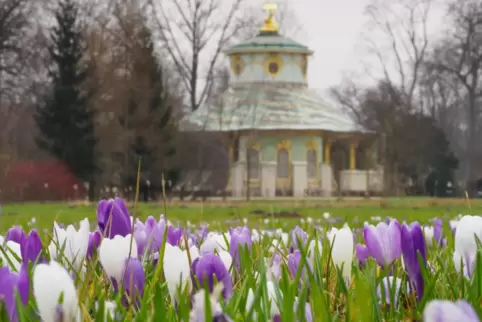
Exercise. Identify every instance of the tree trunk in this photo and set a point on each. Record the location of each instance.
(471, 123)
(92, 190)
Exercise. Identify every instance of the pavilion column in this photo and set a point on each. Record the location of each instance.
(230, 166)
(353, 147)
(327, 151)
(326, 171)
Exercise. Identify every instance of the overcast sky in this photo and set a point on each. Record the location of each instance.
(335, 30)
(332, 30)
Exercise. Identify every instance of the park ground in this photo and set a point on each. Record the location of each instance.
(42, 215)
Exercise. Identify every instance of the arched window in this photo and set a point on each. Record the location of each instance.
(253, 163)
(283, 164)
(311, 163)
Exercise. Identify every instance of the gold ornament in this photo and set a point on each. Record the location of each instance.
(237, 65)
(273, 64)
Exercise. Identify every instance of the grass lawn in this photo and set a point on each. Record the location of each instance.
(409, 209)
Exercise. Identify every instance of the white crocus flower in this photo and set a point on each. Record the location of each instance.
(114, 252)
(428, 233)
(465, 248)
(216, 242)
(10, 249)
(71, 243)
(52, 282)
(315, 247)
(342, 249)
(177, 270)
(272, 298)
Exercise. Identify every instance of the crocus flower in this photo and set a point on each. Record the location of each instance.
(71, 243)
(198, 313)
(215, 243)
(447, 311)
(453, 226)
(272, 300)
(362, 254)
(438, 232)
(308, 312)
(14, 255)
(208, 266)
(294, 261)
(342, 245)
(413, 243)
(12, 283)
(113, 218)
(274, 270)
(155, 233)
(114, 252)
(240, 238)
(383, 242)
(315, 247)
(140, 236)
(177, 270)
(174, 235)
(50, 283)
(133, 279)
(299, 237)
(391, 286)
(434, 234)
(16, 234)
(465, 243)
(95, 238)
(32, 247)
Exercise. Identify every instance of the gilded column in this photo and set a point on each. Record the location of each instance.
(327, 151)
(230, 165)
(353, 156)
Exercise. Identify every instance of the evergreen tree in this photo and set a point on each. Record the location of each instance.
(65, 120)
(150, 114)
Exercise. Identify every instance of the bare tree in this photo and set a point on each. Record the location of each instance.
(189, 30)
(400, 27)
(403, 24)
(460, 55)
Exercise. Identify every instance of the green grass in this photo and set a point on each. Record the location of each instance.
(324, 287)
(409, 209)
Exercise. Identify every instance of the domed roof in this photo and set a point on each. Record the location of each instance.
(269, 39)
(269, 42)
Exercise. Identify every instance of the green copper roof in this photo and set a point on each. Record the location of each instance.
(269, 42)
(269, 108)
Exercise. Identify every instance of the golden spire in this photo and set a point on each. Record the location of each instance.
(270, 24)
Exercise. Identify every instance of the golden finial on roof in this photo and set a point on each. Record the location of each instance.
(270, 24)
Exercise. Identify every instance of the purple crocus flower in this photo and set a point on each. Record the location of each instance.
(438, 232)
(413, 242)
(389, 286)
(95, 238)
(134, 279)
(113, 218)
(208, 266)
(12, 283)
(140, 237)
(298, 235)
(294, 261)
(155, 233)
(16, 234)
(240, 238)
(31, 247)
(308, 311)
(174, 235)
(447, 311)
(362, 254)
(383, 242)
